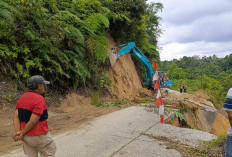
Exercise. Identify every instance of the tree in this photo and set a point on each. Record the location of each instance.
(174, 72)
(66, 40)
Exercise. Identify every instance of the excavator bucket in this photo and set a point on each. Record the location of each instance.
(113, 56)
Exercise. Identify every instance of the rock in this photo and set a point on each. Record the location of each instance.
(198, 113)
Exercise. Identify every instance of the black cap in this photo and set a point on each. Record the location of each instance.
(34, 81)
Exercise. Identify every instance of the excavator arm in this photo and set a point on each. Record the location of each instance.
(131, 48)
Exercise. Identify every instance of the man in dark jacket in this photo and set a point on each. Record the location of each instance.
(228, 108)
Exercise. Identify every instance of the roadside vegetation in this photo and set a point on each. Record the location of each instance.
(205, 149)
(66, 40)
(211, 74)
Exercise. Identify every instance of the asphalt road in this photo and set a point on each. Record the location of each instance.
(121, 134)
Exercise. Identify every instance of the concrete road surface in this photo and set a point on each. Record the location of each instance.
(121, 134)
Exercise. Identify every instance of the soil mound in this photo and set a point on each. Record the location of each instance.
(126, 83)
(221, 125)
(75, 101)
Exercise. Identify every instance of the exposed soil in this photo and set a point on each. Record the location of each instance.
(221, 125)
(126, 83)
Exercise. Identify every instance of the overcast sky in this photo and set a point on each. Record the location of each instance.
(195, 27)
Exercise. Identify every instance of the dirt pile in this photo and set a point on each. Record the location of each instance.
(221, 125)
(74, 101)
(126, 83)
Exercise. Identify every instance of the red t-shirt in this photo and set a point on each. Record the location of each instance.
(32, 102)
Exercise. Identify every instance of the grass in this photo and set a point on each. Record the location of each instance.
(116, 103)
(210, 148)
(207, 149)
(216, 142)
(145, 100)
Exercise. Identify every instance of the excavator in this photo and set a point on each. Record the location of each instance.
(150, 74)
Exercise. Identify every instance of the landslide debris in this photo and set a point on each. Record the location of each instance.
(126, 83)
(197, 112)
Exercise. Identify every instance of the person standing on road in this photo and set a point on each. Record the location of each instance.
(228, 108)
(181, 88)
(30, 120)
(185, 88)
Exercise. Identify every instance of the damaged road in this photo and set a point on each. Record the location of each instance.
(125, 133)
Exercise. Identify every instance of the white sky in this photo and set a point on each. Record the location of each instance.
(195, 27)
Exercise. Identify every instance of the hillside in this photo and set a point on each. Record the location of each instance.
(68, 42)
(69, 111)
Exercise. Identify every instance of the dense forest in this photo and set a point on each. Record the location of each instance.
(211, 74)
(66, 40)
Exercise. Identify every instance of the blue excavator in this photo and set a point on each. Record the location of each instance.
(150, 74)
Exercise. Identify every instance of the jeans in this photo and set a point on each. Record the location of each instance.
(228, 148)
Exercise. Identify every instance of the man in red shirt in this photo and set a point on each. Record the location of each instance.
(30, 120)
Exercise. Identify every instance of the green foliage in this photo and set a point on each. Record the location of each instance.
(119, 102)
(98, 46)
(208, 146)
(179, 115)
(65, 41)
(116, 103)
(105, 81)
(143, 27)
(48, 37)
(216, 142)
(175, 72)
(145, 100)
(215, 72)
(95, 99)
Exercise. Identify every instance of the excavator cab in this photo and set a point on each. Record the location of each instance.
(163, 80)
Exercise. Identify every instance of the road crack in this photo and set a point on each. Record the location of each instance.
(114, 153)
